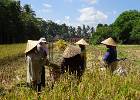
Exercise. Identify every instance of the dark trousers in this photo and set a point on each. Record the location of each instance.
(35, 86)
(38, 87)
(43, 76)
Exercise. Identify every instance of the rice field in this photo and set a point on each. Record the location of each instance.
(95, 84)
(11, 50)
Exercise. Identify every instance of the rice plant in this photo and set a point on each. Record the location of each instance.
(94, 85)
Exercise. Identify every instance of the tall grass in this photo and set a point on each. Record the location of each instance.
(10, 50)
(95, 84)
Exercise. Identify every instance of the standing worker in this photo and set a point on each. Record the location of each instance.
(110, 57)
(82, 44)
(36, 58)
(42, 49)
(33, 65)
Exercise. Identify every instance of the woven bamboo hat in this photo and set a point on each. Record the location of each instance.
(109, 41)
(71, 51)
(82, 42)
(30, 45)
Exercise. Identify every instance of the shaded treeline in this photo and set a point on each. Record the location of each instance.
(20, 23)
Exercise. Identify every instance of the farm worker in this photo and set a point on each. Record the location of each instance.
(42, 50)
(71, 60)
(33, 65)
(82, 44)
(36, 58)
(110, 57)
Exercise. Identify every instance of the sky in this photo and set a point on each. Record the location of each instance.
(79, 12)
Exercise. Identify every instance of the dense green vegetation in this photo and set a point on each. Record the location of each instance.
(20, 23)
(125, 29)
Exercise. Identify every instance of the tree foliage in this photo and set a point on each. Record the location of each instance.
(124, 30)
(20, 23)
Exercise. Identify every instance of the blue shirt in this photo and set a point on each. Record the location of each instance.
(111, 55)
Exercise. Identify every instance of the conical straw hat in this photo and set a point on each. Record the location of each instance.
(71, 51)
(30, 45)
(109, 41)
(82, 42)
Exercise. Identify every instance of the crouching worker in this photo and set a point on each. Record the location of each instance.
(34, 61)
(72, 61)
(110, 57)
